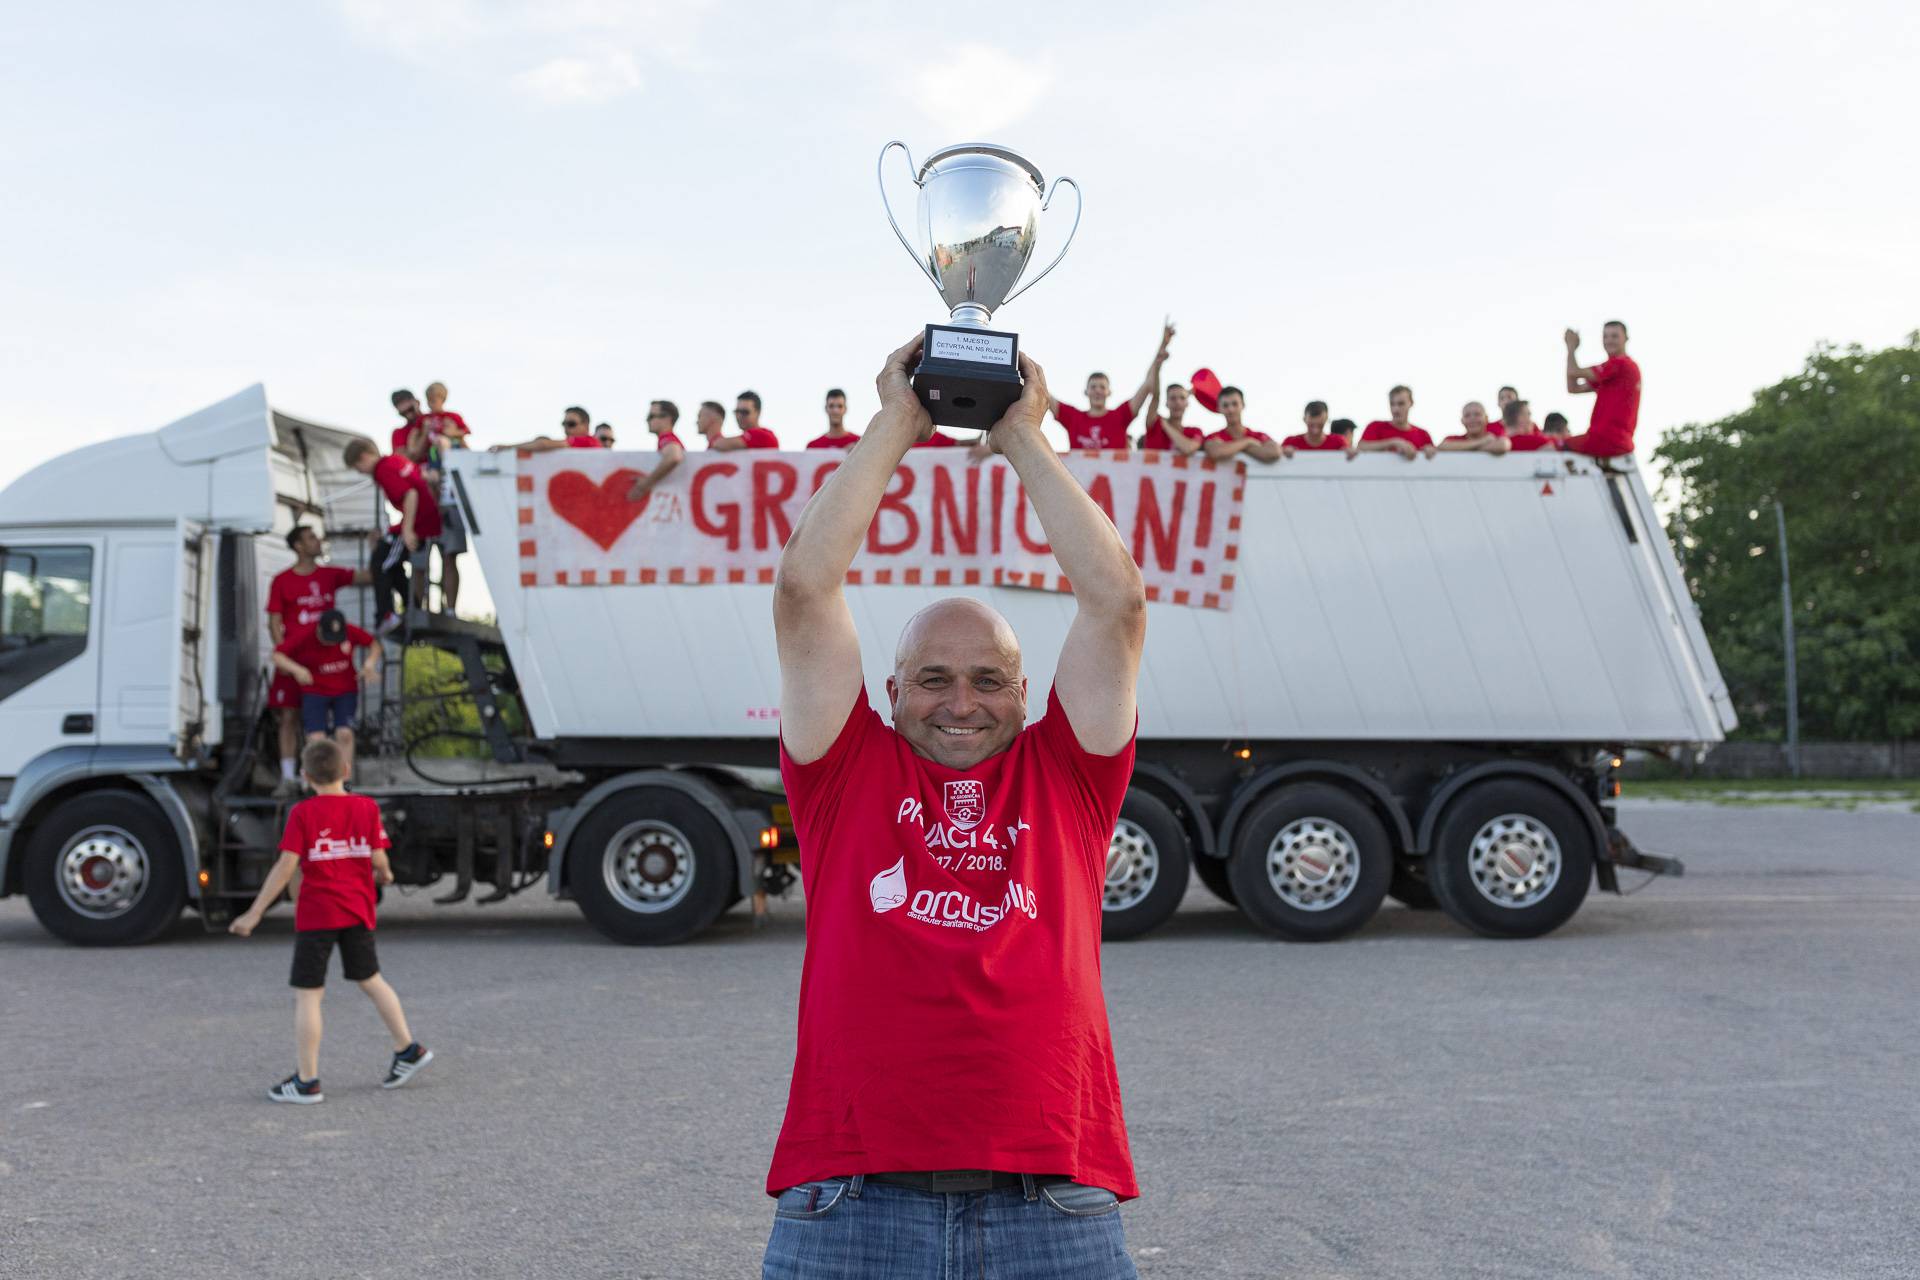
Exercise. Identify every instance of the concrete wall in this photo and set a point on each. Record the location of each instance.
(1769, 760)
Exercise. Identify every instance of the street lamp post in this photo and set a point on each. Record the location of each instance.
(1786, 631)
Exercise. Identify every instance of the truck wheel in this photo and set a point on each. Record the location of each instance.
(104, 870)
(1147, 864)
(1213, 874)
(1310, 863)
(1409, 885)
(1512, 860)
(650, 867)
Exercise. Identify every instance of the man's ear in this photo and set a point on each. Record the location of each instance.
(893, 693)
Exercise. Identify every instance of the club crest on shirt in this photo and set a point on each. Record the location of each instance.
(889, 889)
(966, 802)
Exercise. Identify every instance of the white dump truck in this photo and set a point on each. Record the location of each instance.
(1415, 679)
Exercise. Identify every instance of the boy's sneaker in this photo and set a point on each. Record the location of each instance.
(406, 1065)
(293, 1089)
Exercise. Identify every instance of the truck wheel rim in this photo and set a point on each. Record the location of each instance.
(1313, 864)
(648, 866)
(1515, 860)
(102, 872)
(1133, 866)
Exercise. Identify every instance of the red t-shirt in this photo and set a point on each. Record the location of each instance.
(666, 438)
(760, 438)
(1495, 427)
(397, 476)
(1084, 431)
(846, 441)
(331, 664)
(1387, 431)
(1157, 436)
(950, 1007)
(1616, 407)
(1329, 441)
(585, 440)
(400, 434)
(1469, 439)
(335, 837)
(938, 440)
(445, 423)
(1246, 433)
(1530, 441)
(300, 598)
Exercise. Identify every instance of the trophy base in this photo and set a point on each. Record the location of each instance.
(968, 377)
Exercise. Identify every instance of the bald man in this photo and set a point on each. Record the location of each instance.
(954, 1108)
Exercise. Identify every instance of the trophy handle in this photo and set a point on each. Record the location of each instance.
(1077, 205)
(880, 171)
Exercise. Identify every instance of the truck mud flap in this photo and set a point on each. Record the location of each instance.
(1621, 852)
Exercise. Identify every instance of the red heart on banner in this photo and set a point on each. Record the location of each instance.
(599, 510)
(1206, 388)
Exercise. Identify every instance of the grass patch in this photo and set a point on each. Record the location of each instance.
(1807, 793)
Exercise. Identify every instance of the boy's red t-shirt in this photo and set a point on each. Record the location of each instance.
(335, 837)
(1084, 431)
(1158, 437)
(1330, 441)
(331, 664)
(1382, 430)
(300, 598)
(1616, 407)
(1530, 441)
(396, 476)
(846, 441)
(951, 1015)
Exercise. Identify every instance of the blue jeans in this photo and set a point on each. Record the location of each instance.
(859, 1230)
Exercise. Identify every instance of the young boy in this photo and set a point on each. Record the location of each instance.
(339, 845)
(319, 659)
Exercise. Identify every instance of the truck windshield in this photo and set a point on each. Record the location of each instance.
(46, 599)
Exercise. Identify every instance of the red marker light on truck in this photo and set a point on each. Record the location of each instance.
(769, 837)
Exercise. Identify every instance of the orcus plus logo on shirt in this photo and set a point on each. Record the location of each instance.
(889, 889)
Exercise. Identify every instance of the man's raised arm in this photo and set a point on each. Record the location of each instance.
(1100, 660)
(1150, 384)
(820, 671)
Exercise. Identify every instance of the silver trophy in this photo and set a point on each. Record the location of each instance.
(979, 207)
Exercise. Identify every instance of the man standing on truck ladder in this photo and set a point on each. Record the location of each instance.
(953, 1087)
(410, 538)
(295, 599)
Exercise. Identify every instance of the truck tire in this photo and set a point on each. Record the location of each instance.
(1213, 874)
(1147, 862)
(1512, 859)
(1409, 885)
(650, 867)
(1310, 863)
(104, 870)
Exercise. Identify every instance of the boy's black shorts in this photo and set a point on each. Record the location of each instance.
(311, 947)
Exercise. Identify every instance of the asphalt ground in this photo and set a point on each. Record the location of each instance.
(1714, 1078)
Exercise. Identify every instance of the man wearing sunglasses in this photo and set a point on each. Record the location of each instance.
(746, 412)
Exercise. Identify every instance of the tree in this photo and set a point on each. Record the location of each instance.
(1838, 445)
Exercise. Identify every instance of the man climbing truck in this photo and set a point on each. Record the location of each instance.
(1297, 749)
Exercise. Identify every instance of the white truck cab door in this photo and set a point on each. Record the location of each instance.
(141, 651)
(50, 627)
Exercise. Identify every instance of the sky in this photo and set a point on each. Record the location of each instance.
(601, 202)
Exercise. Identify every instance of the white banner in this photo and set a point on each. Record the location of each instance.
(945, 521)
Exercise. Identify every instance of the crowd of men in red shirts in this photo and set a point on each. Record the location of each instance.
(1614, 383)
